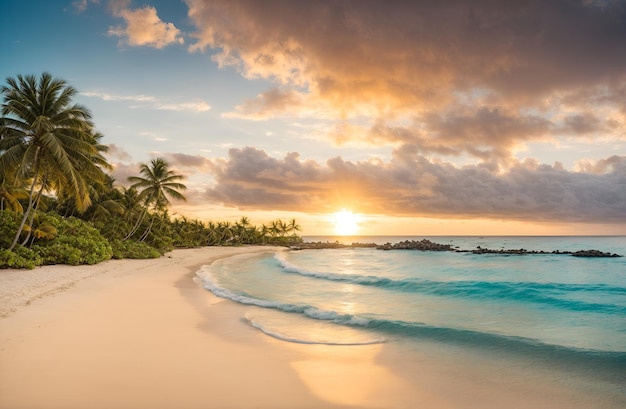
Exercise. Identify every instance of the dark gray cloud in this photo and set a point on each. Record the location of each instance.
(411, 185)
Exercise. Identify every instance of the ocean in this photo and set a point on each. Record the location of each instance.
(540, 312)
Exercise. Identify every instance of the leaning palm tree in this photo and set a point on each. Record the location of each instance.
(157, 184)
(49, 139)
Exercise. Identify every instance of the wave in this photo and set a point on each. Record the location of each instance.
(612, 362)
(329, 337)
(554, 294)
(312, 312)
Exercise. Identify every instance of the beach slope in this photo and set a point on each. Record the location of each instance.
(135, 334)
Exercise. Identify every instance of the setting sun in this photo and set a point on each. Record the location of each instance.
(346, 223)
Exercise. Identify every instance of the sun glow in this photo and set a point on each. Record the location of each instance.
(346, 223)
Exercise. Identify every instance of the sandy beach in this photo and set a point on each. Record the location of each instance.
(143, 334)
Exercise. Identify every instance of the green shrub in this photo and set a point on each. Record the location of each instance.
(9, 222)
(77, 242)
(20, 257)
(112, 229)
(162, 244)
(133, 249)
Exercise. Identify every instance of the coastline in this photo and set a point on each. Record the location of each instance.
(142, 333)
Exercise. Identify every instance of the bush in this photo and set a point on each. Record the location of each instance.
(20, 257)
(133, 249)
(112, 229)
(162, 244)
(77, 242)
(9, 222)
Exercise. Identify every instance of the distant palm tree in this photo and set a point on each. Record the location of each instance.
(226, 233)
(293, 227)
(242, 230)
(157, 184)
(49, 140)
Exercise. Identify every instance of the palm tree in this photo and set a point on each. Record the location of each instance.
(242, 230)
(226, 233)
(11, 191)
(49, 139)
(293, 227)
(157, 184)
(106, 201)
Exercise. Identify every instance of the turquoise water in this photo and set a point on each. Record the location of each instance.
(565, 310)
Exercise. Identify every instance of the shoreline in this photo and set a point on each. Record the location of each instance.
(143, 334)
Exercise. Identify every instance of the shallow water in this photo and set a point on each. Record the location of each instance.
(556, 311)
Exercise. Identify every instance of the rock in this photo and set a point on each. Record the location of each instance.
(593, 253)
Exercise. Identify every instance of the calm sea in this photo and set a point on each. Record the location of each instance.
(556, 310)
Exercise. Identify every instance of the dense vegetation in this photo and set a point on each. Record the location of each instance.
(58, 204)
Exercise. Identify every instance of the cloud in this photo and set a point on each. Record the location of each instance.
(602, 166)
(479, 77)
(582, 124)
(197, 106)
(111, 97)
(420, 47)
(149, 101)
(411, 185)
(81, 5)
(196, 163)
(143, 27)
(269, 104)
(122, 171)
(117, 152)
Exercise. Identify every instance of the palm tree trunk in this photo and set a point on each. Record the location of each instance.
(143, 237)
(136, 226)
(34, 212)
(30, 204)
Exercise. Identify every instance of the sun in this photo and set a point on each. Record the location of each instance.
(346, 223)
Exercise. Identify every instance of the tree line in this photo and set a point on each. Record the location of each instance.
(58, 204)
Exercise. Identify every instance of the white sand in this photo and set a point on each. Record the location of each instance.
(142, 334)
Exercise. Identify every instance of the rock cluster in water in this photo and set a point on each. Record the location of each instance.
(424, 245)
(593, 253)
(580, 253)
(427, 245)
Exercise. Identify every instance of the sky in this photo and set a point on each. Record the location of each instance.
(407, 117)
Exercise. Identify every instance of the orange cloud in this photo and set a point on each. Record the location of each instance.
(144, 27)
(479, 77)
(269, 104)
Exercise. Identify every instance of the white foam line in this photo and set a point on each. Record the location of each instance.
(283, 337)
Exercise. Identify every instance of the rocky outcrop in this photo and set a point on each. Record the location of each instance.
(580, 253)
(427, 245)
(593, 253)
(424, 245)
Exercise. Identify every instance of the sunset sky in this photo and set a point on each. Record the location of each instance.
(421, 117)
